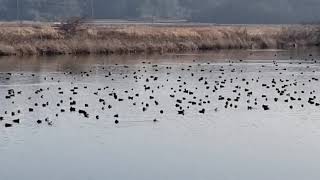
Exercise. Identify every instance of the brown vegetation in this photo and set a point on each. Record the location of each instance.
(48, 40)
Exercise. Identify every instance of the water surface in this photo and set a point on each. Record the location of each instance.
(180, 116)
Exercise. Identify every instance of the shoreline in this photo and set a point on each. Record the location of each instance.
(39, 40)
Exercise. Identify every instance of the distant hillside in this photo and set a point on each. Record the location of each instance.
(213, 11)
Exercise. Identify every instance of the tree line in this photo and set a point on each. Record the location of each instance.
(214, 11)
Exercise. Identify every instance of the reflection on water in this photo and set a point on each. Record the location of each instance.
(214, 115)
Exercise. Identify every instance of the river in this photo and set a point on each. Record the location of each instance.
(214, 115)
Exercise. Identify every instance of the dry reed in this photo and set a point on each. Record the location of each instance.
(47, 40)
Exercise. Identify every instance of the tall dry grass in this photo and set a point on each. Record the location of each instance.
(47, 40)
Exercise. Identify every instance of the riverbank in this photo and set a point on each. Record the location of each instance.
(127, 39)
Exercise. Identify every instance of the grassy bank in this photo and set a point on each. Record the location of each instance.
(47, 40)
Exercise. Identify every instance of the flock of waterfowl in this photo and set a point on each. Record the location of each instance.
(106, 92)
